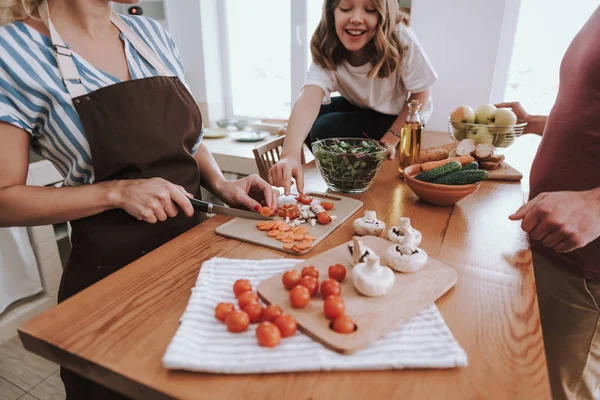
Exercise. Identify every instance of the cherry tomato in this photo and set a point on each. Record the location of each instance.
(337, 272)
(286, 324)
(294, 214)
(344, 324)
(299, 296)
(306, 200)
(222, 309)
(311, 283)
(282, 213)
(326, 205)
(266, 212)
(271, 312)
(330, 287)
(323, 218)
(240, 286)
(300, 197)
(254, 311)
(237, 321)
(246, 298)
(290, 279)
(268, 334)
(333, 306)
(310, 270)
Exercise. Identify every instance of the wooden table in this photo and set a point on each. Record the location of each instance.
(116, 331)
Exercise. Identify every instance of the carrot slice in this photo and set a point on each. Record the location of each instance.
(287, 240)
(308, 242)
(303, 230)
(264, 227)
(288, 246)
(284, 227)
(275, 225)
(302, 246)
(310, 237)
(299, 238)
(273, 233)
(297, 250)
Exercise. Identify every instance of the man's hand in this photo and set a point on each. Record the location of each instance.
(563, 221)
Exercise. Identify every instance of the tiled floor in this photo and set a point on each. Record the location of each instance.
(25, 376)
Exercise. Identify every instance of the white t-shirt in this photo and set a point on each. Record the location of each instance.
(385, 95)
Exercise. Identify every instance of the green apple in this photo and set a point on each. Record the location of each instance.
(504, 117)
(480, 134)
(462, 115)
(484, 114)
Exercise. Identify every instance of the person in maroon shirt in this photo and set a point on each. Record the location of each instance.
(562, 218)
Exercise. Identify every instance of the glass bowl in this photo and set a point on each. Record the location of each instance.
(498, 135)
(349, 165)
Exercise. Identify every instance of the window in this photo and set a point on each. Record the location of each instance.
(544, 32)
(258, 34)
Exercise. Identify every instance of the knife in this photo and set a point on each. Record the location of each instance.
(234, 212)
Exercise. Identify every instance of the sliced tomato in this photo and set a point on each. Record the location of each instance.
(327, 206)
(306, 200)
(324, 218)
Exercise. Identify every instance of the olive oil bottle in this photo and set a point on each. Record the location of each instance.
(410, 137)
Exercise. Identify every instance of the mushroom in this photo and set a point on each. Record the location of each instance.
(359, 251)
(404, 234)
(404, 258)
(371, 278)
(369, 224)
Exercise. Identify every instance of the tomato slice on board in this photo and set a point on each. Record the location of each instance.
(327, 205)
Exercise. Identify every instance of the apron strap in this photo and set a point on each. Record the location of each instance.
(64, 55)
(140, 45)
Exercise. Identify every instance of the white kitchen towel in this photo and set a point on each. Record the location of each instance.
(19, 274)
(202, 343)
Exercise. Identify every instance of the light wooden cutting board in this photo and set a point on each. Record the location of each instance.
(246, 230)
(373, 316)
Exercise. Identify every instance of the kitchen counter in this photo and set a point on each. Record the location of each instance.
(116, 331)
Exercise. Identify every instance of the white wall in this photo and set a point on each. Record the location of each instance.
(463, 41)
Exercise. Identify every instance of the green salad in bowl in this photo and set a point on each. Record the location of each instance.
(349, 165)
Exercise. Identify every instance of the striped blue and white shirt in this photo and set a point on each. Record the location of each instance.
(33, 96)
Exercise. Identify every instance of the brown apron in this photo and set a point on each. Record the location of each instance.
(138, 129)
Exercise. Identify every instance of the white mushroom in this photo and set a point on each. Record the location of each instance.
(371, 278)
(404, 234)
(359, 251)
(369, 224)
(406, 259)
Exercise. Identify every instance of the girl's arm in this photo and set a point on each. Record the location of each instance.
(21, 205)
(391, 140)
(304, 114)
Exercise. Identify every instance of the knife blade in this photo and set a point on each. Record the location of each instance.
(221, 210)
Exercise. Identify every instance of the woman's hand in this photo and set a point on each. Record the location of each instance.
(150, 200)
(247, 192)
(281, 174)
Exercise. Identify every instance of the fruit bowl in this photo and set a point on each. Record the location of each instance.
(349, 165)
(436, 194)
(498, 135)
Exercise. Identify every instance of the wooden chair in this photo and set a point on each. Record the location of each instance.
(268, 154)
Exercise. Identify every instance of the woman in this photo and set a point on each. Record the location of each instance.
(109, 109)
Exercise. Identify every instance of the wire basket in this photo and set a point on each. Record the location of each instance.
(349, 165)
(498, 135)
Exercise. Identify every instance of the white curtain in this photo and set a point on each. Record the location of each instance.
(19, 273)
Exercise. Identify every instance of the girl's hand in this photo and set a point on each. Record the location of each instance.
(281, 174)
(247, 192)
(391, 142)
(150, 200)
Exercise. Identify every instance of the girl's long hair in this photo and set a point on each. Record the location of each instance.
(385, 49)
(17, 10)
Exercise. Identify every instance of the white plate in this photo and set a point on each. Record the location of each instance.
(214, 133)
(249, 136)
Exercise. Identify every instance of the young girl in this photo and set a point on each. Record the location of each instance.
(363, 50)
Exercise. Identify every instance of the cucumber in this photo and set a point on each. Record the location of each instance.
(470, 166)
(463, 177)
(438, 172)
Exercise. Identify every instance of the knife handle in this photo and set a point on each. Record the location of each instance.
(202, 205)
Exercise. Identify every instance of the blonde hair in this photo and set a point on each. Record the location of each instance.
(385, 49)
(17, 10)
